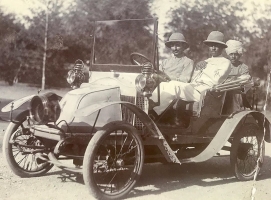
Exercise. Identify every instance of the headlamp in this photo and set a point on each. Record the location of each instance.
(71, 77)
(144, 82)
(76, 75)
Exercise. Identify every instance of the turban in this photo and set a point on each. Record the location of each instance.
(234, 46)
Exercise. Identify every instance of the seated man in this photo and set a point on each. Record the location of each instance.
(178, 67)
(214, 70)
(239, 70)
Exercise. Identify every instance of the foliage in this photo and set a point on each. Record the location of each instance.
(131, 36)
(85, 12)
(258, 52)
(196, 19)
(70, 33)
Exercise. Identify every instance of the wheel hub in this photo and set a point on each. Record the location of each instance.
(120, 162)
(244, 150)
(251, 152)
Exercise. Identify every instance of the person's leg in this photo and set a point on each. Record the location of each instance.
(181, 118)
(177, 89)
(172, 90)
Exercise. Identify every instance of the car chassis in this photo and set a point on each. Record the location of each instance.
(106, 127)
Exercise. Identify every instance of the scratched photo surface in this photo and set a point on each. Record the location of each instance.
(70, 67)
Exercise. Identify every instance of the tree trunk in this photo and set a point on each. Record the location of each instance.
(45, 48)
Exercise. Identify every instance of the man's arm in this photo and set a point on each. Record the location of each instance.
(244, 72)
(161, 66)
(198, 69)
(186, 74)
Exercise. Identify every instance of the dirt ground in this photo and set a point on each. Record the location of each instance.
(20, 90)
(210, 180)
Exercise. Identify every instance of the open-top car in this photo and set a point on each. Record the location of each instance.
(108, 129)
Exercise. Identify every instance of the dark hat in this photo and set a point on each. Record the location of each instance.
(176, 37)
(216, 37)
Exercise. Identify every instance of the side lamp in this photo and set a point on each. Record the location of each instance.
(76, 75)
(145, 83)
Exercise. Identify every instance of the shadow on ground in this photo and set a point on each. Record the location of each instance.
(160, 178)
(214, 172)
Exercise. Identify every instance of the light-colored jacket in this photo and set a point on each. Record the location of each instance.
(178, 69)
(216, 71)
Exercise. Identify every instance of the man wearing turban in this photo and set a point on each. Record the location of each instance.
(239, 70)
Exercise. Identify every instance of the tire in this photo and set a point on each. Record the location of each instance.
(23, 165)
(246, 150)
(113, 160)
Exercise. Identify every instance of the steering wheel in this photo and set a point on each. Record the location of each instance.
(138, 59)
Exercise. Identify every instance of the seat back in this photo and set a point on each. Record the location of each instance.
(212, 102)
(210, 105)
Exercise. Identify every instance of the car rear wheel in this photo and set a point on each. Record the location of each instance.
(113, 161)
(247, 152)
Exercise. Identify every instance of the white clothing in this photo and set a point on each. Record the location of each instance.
(215, 72)
(172, 90)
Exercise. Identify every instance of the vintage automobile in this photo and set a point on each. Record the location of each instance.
(108, 129)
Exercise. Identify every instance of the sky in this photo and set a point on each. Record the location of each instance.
(21, 7)
(160, 8)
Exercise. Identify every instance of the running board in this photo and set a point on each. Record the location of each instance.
(53, 160)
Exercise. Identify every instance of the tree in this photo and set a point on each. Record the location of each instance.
(45, 41)
(121, 36)
(11, 46)
(258, 53)
(196, 19)
(69, 35)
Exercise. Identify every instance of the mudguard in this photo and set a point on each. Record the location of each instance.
(145, 119)
(17, 104)
(216, 144)
(225, 132)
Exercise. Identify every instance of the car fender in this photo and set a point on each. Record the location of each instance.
(226, 131)
(88, 110)
(265, 119)
(17, 104)
(153, 130)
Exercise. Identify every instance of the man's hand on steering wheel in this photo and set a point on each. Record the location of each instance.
(139, 59)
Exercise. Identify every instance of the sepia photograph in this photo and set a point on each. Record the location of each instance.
(135, 99)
